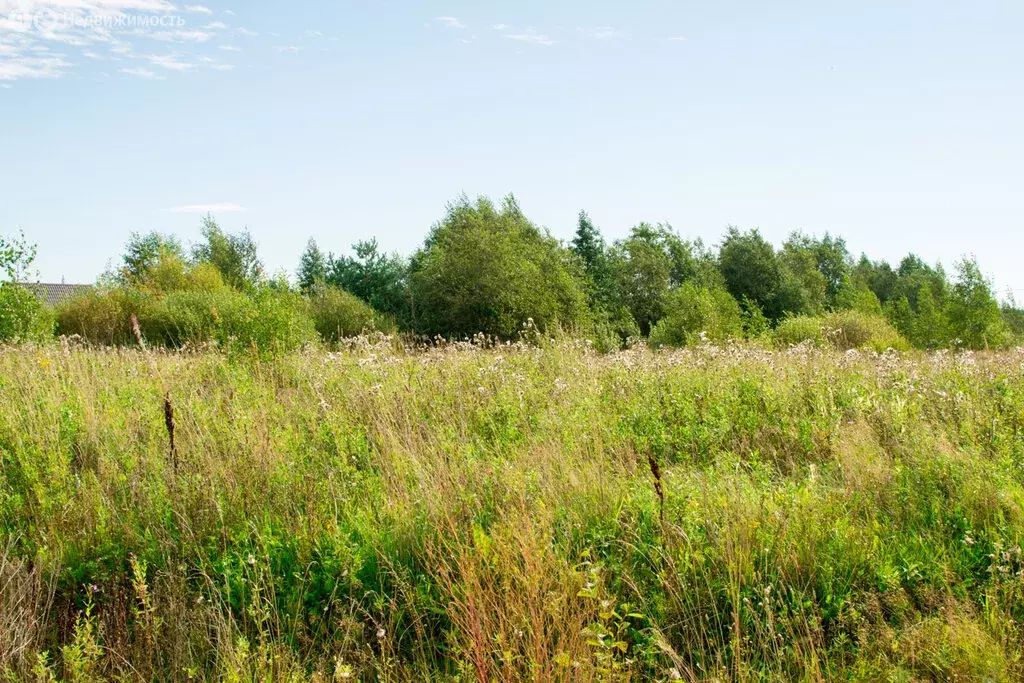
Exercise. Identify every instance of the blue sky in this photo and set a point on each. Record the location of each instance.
(897, 124)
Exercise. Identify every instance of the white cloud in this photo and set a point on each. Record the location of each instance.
(5, 86)
(246, 32)
(223, 67)
(678, 38)
(140, 72)
(229, 48)
(450, 22)
(207, 208)
(170, 62)
(21, 66)
(215, 26)
(229, 12)
(530, 35)
(500, 27)
(314, 34)
(198, 9)
(601, 32)
(182, 36)
(289, 48)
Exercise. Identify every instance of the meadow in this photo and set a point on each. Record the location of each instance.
(506, 512)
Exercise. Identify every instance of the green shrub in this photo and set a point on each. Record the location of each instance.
(842, 330)
(799, 329)
(272, 321)
(195, 317)
(854, 330)
(22, 317)
(613, 331)
(104, 316)
(695, 314)
(338, 314)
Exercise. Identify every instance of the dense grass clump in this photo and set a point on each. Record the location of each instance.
(522, 512)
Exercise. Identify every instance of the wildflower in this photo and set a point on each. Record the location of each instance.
(381, 633)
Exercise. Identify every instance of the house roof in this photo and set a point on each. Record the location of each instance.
(54, 294)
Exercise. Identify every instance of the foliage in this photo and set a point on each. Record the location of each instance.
(16, 257)
(380, 280)
(652, 261)
(313, 266)
(103, 316)
(842, 330)
(338, 314)
(488, 270)
(234, 255)
(974, 315)
(22, 316)
(589, 246)
(695, 314)
(145, 253)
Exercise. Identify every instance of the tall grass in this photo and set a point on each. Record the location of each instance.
(522, 512)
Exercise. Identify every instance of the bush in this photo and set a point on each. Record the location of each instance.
(800, 329)
(842, 330)
(195, 317)
(487, 269)
(337, 314)
(272, 321)
(614, 331)
(104, 316)
(22, 317)
(695, 314)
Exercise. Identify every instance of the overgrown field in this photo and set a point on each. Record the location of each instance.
(511, 513)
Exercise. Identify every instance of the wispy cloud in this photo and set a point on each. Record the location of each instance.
(223, 207)
(601, 32)
(52, 38)
(246, 32)
(140, 72)
(677, 38)
(531, 35)
(20, 66)
(450, 22)
(499, 27)
(170, 62)
(289, 48)
(229, 48)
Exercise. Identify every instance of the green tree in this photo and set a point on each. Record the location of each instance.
(488, 269)
(589, 246)
(753, 271)
(381, 280)
(16, 257)
(823, 265)
(930, 328)
(974, 315)
(21, 314)
(643, 272)
(694, 314)
(142, 253)
(313, 266)
(234, 255)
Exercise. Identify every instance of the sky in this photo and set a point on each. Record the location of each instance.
(898, 124)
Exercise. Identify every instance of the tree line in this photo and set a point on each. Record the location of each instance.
(485, 268)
